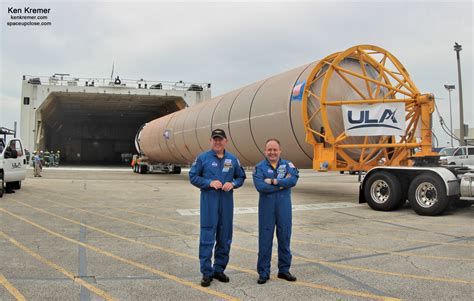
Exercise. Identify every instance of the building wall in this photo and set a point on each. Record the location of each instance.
(31, 125)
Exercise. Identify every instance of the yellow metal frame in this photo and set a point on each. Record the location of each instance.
(330, 151)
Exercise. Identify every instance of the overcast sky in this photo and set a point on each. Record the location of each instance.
(234, 44)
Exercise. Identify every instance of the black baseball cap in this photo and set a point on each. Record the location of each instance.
(218, 133)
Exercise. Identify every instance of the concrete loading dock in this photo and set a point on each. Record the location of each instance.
(122, 235)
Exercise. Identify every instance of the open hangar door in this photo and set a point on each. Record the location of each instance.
(98, 129)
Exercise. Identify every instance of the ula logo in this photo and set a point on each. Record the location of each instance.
(366, 121)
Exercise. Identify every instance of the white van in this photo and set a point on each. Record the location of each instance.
(12, 164)
(462, 156)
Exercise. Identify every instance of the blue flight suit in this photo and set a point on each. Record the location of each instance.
(217, 207)
(274, 208)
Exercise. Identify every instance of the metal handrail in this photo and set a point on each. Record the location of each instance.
(111, 83)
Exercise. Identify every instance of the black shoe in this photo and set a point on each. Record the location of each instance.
(287, 276)
(221, 277)
(206, 281)
(262, 280)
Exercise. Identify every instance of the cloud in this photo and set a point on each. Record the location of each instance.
(234, 44)
(10, 111)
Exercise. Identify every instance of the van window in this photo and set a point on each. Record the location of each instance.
(460, 152)
(448, 151)
(470, 151)
(18, 148)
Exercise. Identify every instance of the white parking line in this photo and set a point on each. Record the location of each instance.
(246, 210)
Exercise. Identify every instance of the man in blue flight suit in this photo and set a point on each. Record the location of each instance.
(273, 179)
(217, 173)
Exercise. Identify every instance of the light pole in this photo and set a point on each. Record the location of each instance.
(458, 48)
(450, 88)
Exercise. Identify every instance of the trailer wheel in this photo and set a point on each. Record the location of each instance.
(427, 195)
(176, 170)
(404, 193)
(383, 192)
(142, 169)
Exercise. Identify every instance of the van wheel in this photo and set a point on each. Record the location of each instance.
(427, 195)
(2, 184)
(16, 185)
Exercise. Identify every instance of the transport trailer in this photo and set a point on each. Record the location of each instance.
(356, 110)
(394, 120)
(429, 190)
(142, 165)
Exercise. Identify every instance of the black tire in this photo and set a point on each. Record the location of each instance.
(427, 195)
(16, 185)
(142, 169)
(176, 170)
(404, 193)
(382, 191)
(2, 184)
(8, 186)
